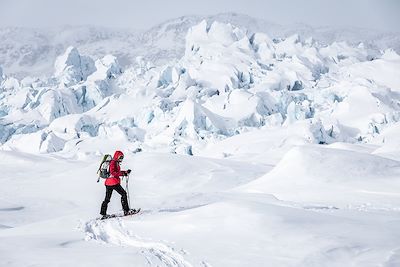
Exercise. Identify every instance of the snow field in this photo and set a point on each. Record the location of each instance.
(306, 211)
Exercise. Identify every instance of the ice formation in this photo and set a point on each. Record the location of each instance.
(229, 81)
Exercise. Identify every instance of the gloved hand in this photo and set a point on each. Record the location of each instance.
(128, 171)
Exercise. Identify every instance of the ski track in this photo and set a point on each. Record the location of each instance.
(114, 232)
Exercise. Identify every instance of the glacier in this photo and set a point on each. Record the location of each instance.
(250, 144)
(228, 81)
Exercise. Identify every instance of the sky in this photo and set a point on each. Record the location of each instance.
(373, 14)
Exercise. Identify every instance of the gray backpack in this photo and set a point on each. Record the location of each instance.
(104, 168)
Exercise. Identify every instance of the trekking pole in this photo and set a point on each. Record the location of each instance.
(127, 190)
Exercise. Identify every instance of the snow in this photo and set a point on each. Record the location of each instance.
(184, 208)
(382, 71)
(248, 149)
(335, 174)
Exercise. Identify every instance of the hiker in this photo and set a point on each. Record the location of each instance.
(113, 182)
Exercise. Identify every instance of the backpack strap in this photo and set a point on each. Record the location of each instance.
(113, 161)
(103, 160)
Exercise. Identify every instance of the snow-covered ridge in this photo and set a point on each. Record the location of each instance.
(229, 81)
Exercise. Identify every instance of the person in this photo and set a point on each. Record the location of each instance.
(114, 183)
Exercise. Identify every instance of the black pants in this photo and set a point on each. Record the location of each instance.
(109, 190)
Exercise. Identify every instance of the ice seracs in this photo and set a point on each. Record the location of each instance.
(229, 81)
(100, 83)
(263, 46)
(72, 68)
(90, 80)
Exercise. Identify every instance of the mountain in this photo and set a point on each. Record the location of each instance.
(25, 51)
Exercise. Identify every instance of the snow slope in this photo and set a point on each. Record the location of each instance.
(189, 201)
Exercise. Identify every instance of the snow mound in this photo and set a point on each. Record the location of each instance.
(388, 142)
(193, 118)
(38, 142)
(336, 166)
(75, 124)
(321, 174)
(382, 71)
(268, 145)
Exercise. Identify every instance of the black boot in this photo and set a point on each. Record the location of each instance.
(104, 206)
(124, 203)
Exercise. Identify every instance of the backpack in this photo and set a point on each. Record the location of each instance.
(104, 169)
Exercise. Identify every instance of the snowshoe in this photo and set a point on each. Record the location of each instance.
(126, 213)
(107, 216)
(131, 212)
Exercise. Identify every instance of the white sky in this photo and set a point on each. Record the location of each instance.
(374, 14)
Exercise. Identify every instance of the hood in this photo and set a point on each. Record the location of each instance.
(117, 154)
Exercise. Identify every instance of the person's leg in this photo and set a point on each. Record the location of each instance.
(124, 197)
(104, 205)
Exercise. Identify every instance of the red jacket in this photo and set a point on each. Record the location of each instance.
(115, 170)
